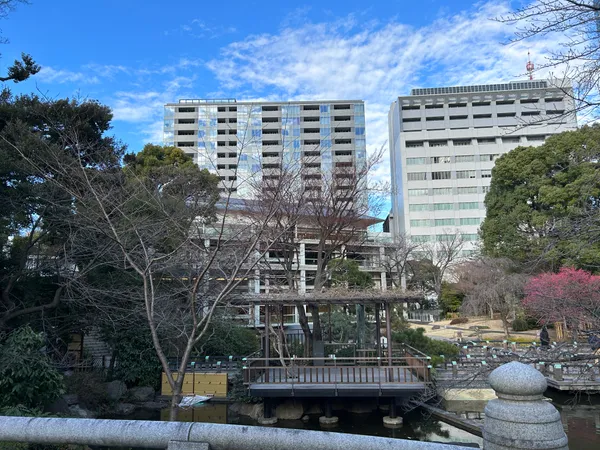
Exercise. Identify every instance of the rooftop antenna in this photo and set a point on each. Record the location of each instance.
(530, 66)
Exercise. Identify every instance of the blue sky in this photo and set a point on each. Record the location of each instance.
(136, 55)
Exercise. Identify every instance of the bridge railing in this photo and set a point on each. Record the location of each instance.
(184, 435)
(411, 369)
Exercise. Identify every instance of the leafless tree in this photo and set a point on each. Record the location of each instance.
(442, 254)
(576, 23)
(397, 257)
(493, 285)
(186, 254)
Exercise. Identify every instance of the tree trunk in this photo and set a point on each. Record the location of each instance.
(306, 330)
(505, 326)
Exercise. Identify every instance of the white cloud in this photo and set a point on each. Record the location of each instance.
(50, 75)
(348, 59)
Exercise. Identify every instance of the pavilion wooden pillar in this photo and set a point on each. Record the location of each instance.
(378, 329)
(388, 323)
(267, 340)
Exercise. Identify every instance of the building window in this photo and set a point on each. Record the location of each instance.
(441, 160)
(410, 108)
(461, 142)
(464, 158)
(470, 237)
(457, 105)
(482, 116)
(413, 144)
(414, 207)
(458, 117)
(467, 190)
(445, 222)
(442, 191)
(470, 221)
(433, 119)
(481, 103)
(420, 223)
(462, 174)
(530, 113)
(438, 143)
(486, 173)
(417, 192)
(486, 140)
(488, 157)
(536, 138)
(446, 175)
(508, 114)
(511, 140)
(411, 119)
(438, 106)
(485, 189)
(468, 205)
(416, 176)
(411, 161)
(420, 238)
(443, 206)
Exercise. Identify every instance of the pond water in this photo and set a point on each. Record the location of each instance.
(580, 417)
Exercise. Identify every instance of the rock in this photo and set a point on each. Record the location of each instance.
(71, 399)
(58, 406)
(154, 405)
(363, 407)
(141, 394)
(435, 327)
(305, 418)
(314, 409)
(115, 390)
(124, 409)
(252, 410)
(80, 412)
(289, 410)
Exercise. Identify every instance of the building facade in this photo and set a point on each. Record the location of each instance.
(443, 144)
(242, 141)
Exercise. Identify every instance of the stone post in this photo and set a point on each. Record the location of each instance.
(520, 418)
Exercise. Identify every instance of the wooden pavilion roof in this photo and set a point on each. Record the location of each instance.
(336, 297)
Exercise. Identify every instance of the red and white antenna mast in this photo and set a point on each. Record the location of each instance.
(530, 66)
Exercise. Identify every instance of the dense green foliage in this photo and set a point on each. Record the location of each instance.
(136, 362)
(27, 376)
(520, 324)
(416, 338)
(543, 202)
(346, 272)
(227, 339)
(451, 298)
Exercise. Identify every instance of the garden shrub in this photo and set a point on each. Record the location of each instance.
(520, 324)
(431, 347)
(459, 320)
(27, 376)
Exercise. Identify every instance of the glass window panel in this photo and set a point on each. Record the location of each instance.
(410, 161)
(419, 207)
(444, 222)
(420, 222)
(442, 191)
(443, 206)
(468, 205)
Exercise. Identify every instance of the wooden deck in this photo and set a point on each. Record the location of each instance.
(348, 377)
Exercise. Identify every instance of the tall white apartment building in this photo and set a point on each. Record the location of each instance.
(242, 140)
(443, 144)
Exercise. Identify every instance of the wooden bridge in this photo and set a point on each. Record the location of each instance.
(337, 377)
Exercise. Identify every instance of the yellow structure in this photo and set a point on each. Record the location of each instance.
(208, 384)
(208, 413)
